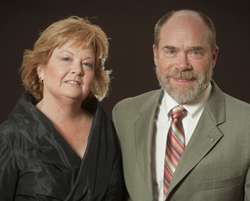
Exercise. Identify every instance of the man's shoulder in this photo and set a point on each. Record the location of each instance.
(127, 111)
(136, 101)
(234, 103)
(220, 100)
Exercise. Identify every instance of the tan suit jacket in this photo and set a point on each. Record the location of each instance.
(215, 163)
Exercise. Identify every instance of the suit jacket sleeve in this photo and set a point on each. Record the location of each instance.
(247, 187)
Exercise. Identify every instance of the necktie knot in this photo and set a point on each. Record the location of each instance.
(178, 112)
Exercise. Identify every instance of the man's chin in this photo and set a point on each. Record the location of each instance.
(182, 92)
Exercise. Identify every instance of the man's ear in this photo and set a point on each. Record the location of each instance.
(215, 55)
(155, 55)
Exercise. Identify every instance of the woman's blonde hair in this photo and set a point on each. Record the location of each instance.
(82, 33)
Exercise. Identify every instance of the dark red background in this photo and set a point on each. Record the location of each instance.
(129, 25)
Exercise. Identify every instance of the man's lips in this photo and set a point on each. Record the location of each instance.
(183, 80)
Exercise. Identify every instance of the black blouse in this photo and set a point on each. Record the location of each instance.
(36, 163)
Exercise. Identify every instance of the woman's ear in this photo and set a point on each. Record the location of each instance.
(40, 71)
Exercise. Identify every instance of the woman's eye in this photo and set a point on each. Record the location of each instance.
(66, 59)
(88, 65)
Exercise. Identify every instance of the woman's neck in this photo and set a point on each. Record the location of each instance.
(62, 110)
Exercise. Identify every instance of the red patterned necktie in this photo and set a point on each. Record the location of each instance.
(175, 146)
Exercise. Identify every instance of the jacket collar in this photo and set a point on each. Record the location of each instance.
(205, 136)
(143, 130)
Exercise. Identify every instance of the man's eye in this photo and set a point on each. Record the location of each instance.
(195, 53)
(171, 52)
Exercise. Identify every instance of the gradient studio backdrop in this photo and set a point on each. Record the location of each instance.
(129, 25)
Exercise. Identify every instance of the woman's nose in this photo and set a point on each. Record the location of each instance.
(76, 69)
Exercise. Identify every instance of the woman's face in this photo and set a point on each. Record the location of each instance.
(69, 73)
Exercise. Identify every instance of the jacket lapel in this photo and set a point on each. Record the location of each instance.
(204, 138)
(143, 131)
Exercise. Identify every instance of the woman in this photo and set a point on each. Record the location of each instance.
(58, 143)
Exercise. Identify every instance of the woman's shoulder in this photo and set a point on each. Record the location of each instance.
(8, 132)
(102, 120)
(6, 127)
(9, 142)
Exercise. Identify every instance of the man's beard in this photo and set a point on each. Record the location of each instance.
(186, 92)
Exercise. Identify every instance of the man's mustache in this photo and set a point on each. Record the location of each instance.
(183, 75)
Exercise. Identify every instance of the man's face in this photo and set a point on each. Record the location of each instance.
(184, 60)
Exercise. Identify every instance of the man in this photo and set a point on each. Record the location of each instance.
(209, 156)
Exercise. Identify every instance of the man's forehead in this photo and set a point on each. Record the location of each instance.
(178, 19)
(185, 13)
(183, 23)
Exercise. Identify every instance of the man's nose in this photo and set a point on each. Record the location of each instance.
(183, 62)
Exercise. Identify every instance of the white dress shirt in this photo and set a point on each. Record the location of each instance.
(161, 127)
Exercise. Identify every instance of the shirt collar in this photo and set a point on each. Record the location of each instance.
(194, 107)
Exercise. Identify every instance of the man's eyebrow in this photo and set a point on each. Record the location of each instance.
(170, 47)
(197, 48)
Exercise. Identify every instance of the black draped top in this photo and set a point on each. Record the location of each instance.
(36, 163)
